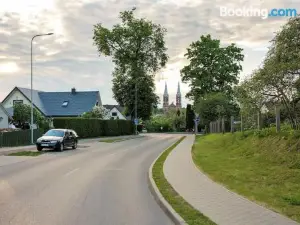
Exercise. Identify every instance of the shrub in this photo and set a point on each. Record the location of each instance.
(86, 128)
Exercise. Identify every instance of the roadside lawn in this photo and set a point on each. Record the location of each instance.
(112, 140)
(184, 209)
(25, 153)
(263, 169)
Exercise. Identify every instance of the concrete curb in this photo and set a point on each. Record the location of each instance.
(161, 201)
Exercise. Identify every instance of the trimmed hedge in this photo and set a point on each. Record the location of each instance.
(18, 138)
(87, 128)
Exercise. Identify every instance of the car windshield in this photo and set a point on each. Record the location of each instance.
(56, 133)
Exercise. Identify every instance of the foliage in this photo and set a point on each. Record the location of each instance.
(212, 68)
(190, 115)
(124, 93)
(93, 127)
(172, 120)
(277, 81)
(22, 114)
(137, 48)
(214, 106)
(99, 112)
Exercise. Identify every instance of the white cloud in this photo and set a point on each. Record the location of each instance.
(68, 58)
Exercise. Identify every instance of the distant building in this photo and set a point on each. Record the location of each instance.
(166, 105)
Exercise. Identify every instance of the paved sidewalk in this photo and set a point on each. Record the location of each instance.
(213, 200)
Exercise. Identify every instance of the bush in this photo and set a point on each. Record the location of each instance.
(87, 128)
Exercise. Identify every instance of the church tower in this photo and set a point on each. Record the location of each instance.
(178, 97)
(166, 98)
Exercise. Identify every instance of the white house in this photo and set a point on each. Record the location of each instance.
(115, 111)
(4, 117)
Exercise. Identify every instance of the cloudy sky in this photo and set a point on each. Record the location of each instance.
(68, 58)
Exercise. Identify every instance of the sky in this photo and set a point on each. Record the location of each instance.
(69, 59)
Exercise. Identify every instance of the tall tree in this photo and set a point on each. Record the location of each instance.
(124, 93)
(137, 48)
(190, 115)
(212, 68)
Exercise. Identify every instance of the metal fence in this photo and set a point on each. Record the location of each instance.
(247, 121)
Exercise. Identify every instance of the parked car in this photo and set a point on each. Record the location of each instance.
(58, 139)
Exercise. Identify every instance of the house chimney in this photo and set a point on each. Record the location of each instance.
(73, 90)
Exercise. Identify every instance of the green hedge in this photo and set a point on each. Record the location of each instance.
(18, 138)
(87, 128)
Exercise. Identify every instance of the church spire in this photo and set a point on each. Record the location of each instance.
(178, 89)
(166, 89)
(166, 98)
(178, 97)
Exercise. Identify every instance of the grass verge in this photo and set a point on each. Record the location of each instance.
(114, 140)
(263, 169)
(183, 208)
(25, 153)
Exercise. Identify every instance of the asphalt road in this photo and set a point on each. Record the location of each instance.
(98, 184)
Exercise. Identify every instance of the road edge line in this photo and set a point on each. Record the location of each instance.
(161, 201)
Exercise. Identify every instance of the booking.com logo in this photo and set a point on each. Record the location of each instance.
(256, 12)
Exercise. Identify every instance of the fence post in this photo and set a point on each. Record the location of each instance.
(277, 113)
(259, 120)
(231, 124)
(223, 125)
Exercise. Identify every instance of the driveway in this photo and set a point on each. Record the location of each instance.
(99, 183)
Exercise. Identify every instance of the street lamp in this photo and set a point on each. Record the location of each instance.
(38, 35)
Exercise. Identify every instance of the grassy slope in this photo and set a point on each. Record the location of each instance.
(184, 209)
(262, 169)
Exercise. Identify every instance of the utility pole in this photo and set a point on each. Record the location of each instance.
(31, 82)
(135, 108)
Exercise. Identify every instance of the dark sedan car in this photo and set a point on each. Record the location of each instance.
(58, 139)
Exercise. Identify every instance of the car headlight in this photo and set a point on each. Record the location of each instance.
(53, 142)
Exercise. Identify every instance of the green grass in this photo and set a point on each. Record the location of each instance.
(263, 169)
(25, 153)
(184, 209)
(114, 140)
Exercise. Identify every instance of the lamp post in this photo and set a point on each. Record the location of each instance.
(38, 35)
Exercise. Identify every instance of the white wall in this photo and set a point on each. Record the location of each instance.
(15, 95)
(4, 120)
(121, 117)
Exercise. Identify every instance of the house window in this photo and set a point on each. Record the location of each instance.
(17, 102)
(65, 104)
(114, 114)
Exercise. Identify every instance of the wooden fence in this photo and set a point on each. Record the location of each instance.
(18, 138)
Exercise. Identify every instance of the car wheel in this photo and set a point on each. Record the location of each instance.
(61, 147)
(75, 145)
(39, 149)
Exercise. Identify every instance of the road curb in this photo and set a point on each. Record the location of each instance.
(161, 201)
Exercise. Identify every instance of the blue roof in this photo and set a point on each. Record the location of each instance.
(50, 103)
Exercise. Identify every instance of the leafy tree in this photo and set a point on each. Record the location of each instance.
(124, 93)
(137, 48)
(99, 112)
(214, 106)
(212, 68)
(22, 115)
(190, 115)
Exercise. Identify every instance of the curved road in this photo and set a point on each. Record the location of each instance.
(97, 184)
